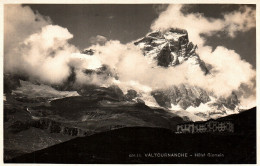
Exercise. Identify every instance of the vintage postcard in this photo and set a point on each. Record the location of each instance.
(129, 83)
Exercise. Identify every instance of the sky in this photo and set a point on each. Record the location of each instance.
(130, 22)
(116, 22)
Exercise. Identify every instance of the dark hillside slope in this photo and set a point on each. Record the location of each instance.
(150, 145)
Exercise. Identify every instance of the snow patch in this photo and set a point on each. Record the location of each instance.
(202, 108)
(173, 36)
(31, 90)
(175, 107)
(149, 100)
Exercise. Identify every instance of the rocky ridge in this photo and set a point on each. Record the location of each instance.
(170, 48)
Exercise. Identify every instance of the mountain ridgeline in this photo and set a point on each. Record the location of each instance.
(171, 48)
(168, 48)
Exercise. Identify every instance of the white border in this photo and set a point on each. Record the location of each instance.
(257, 2)
(130, 1)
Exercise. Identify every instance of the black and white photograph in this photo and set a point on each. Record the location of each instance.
(129, 83)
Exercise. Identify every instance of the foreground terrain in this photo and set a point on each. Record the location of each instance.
(152, 145)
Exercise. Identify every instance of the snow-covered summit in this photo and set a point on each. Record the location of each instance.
(170, 48)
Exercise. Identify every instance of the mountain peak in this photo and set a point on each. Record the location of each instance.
(170, 47)
(161, 33)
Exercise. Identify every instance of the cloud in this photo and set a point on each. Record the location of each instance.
(196, 24)
(227, 74)
(37, 49)
(98, 40)
(43, 55)
(248, 102)
(240, 21)
(19, 23)
(229, 71)
(134, 70)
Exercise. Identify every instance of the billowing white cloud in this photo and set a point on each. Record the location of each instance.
(35, 48)
(98, 40)
(19, 23)
(196, 24)
(43, 55)
(240, 21)
(228, 71)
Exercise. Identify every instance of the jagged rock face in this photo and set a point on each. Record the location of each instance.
(183, 95)
(170, 48)
(131, 94)
(230, 102)
(11, 82)
(104, 71)
(88, 52)
(196, 101)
